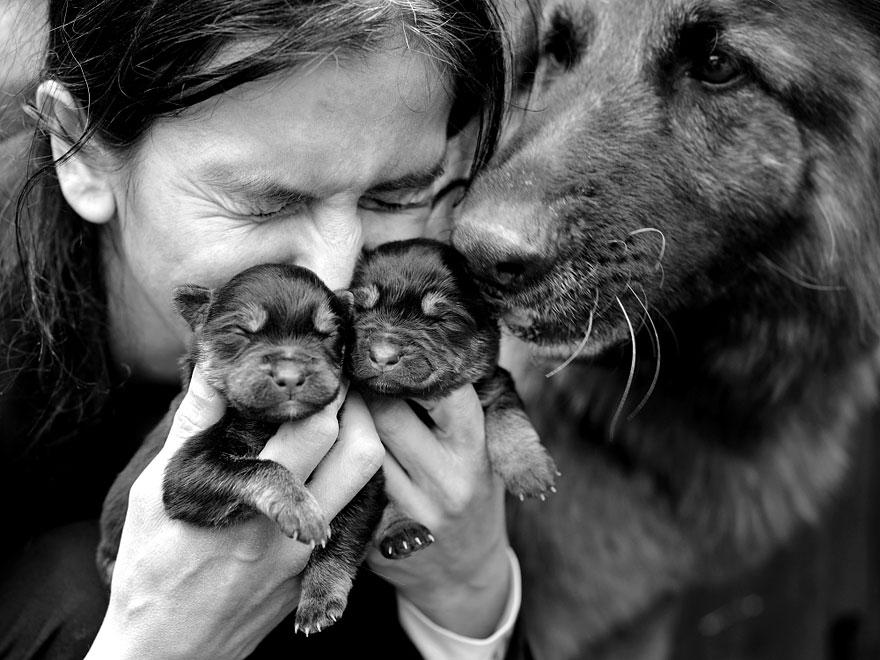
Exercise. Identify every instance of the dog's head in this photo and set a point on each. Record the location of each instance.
(670, 150)
(420, 326)
(270, 340)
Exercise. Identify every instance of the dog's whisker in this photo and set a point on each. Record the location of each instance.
(580, 347)
(645, 230)
(655, 342)
(798, 280)
(632, 370)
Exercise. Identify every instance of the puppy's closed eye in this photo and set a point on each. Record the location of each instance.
(433, 304)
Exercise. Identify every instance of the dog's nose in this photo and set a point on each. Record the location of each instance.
(384, 355)
(504, 257)
(288, 374)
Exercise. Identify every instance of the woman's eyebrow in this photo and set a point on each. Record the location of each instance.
(259, 187)
(251, 186)
(421, 179)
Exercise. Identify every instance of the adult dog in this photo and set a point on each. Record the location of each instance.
(688, 212)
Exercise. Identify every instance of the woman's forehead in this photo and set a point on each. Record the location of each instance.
(353, 124)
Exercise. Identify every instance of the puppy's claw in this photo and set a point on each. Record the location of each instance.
(552, 489)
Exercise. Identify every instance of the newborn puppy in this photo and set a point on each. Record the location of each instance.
(271, 341)
(422, 329)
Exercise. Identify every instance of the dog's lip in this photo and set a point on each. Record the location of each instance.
(518, 318)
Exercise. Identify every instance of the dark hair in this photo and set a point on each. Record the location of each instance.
(129, 62)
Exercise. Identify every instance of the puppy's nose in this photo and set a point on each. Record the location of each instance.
(501, 255)
(384, 355)
(288, 374)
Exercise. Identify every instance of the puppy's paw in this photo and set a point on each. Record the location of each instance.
(527, 470)
(300, 519)
(320, 608)
(403, 538)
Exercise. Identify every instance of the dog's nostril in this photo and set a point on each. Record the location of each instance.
(519, 270)
(508, 272)
(500, 255)
(288, 375)
(384, 355)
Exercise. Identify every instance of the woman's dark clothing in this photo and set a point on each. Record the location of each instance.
(51, 599)
(53, 602)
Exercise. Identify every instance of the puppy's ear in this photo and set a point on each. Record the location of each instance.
(346, 297)
(193, 301)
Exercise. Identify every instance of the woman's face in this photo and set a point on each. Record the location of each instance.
(303, 168)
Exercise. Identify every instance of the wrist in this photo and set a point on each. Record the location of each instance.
(472, 604)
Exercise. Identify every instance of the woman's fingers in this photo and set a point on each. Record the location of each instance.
(408, 496)
(351, 462)
(406, 436)
(301, 445)
(458, 416)
(201, 407)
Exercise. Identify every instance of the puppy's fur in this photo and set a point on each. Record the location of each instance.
(689, 205)
(421, 329)
(271, 341)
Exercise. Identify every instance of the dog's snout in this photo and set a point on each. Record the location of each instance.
(506, 258)
(384, 355)
(288, 374)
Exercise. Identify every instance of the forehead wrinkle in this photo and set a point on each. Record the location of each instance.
(248, 184)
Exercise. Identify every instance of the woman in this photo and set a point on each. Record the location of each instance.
(184, 142)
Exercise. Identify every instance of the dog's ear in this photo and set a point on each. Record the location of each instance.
(346, 297)
(193, 301)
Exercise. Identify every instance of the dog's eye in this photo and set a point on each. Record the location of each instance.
(707, 59)
(560, 42)
(717, 69)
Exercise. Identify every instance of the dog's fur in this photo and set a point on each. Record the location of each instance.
(271, 341)
(421, 328)
(689, 203)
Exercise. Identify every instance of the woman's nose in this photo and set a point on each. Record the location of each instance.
(337, 244)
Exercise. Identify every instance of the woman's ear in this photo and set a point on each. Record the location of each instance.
(86, 177)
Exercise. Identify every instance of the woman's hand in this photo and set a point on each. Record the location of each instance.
(441, 477)
(191, 592)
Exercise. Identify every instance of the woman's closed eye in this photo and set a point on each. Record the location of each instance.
(394, 201)
(276, 209)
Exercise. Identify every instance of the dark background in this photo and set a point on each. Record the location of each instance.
(817, 599)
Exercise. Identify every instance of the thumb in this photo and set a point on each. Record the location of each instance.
(201, 407)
